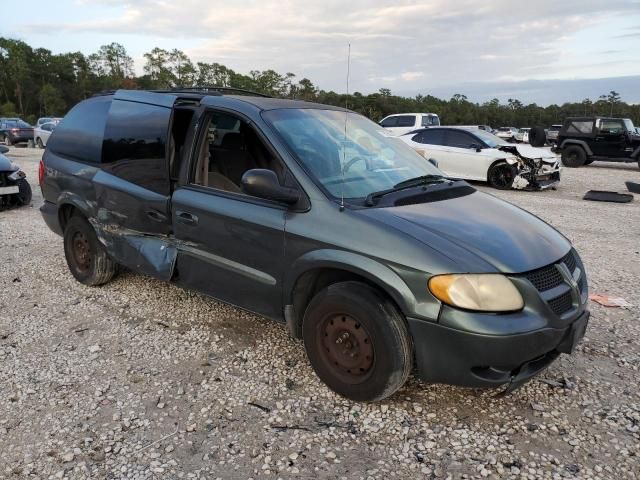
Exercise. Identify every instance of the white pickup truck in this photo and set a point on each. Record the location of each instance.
(402, 123)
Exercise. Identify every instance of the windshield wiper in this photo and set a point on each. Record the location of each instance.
(410, 183)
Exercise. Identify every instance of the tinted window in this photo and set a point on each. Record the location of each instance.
(430, 120)
(612, 127)
(17, 124)
(79, 134)
(135, 141)
(406, 121)
(584, 126)
(432, 137)
(389, 122)
(459, 139)
(555, 128)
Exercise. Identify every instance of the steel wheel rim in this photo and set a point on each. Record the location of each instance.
(81, 250)
(346, 348)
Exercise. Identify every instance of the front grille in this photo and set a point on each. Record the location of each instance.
(570, 261)
(549, 277)
(545, 278)
(561, 304)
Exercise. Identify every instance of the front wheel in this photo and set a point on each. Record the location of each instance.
(39, 143)
(502, 176)
(86, 257)
(23, 197)
(574, 156)
(357, 342)
(8, 141)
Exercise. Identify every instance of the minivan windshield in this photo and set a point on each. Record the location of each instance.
(346, 153)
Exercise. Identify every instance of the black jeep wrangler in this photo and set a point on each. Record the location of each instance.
(583, 140)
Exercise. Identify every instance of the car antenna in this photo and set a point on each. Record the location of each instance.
(346, 117)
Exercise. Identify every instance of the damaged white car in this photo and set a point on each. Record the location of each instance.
(473, 154)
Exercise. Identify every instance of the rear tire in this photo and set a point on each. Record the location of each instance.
(537, 137)
(574, 156)
(357, 342)
(86, 257)
(501, 176)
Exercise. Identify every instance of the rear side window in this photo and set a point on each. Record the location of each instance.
(135, 142)
(580, 127)
(389, 122)
(432, 137)
(79, 134)
(406, 121)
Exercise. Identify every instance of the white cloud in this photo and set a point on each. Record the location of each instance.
(421, 44)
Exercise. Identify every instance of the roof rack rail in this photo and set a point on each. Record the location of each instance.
(220, 90)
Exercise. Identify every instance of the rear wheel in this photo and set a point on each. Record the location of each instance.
(86, 257)
(501, 176)
(574, 156)
(357, 341)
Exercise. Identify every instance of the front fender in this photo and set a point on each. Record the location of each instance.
(374, 271)
(581, 143)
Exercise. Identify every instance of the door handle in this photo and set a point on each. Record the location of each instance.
(156, 216)
(186, 217)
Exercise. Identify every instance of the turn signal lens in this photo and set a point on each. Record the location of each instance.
(481, 292)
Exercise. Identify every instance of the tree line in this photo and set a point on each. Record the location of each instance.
(36, 82)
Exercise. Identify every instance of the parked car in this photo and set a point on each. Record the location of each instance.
(14, 187)
(582, 140)
(552, 134)
(474, 154)
(405, 122)
(522, 135)
(15, 130)
(345, 234)
(507, 133)
(41, 121)
(42, 133)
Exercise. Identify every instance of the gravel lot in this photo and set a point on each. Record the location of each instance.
(140, 379)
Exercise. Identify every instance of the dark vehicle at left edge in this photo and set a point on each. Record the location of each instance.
(15, 130)
(14, 188)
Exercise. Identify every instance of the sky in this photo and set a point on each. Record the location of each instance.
(406, 46)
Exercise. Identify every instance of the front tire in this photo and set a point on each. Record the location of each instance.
(8, 141)
(357, 342)
(502, 175)
(86, 257)
(23, 197)
(39, 143)
(574, 156)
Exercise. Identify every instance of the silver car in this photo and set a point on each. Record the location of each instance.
(42, 133)
(552, 134)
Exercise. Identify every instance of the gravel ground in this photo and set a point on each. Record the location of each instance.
(140, 379)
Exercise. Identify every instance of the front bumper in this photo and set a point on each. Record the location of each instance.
(457, 357)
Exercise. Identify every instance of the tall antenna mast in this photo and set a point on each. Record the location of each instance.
(346, 117)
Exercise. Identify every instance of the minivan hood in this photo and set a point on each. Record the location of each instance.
(479, 232)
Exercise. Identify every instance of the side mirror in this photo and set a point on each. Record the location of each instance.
(3, 149)
(433, 162)
(263, 183)
(475, 147)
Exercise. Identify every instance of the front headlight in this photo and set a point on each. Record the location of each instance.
(17, 175)
(482, 292)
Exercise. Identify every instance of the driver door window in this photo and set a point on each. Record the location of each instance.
(228, 148)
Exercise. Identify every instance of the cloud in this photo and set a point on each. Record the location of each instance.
(417, 43)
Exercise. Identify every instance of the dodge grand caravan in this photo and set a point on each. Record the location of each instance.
(316, 217)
